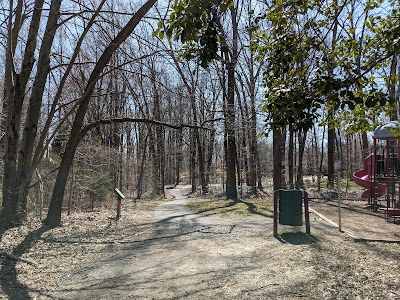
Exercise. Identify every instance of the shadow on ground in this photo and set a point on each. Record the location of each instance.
(297, 238)
(8, 272)
(230, 207)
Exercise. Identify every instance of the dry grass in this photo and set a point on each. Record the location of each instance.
(83, 237)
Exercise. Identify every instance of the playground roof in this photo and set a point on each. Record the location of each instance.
(387, 131)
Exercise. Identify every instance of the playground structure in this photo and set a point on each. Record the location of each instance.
(381, 173)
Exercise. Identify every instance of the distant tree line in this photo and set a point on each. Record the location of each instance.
(100, 95)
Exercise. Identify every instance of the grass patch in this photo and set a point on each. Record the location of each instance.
(233, 209)
(351, 184)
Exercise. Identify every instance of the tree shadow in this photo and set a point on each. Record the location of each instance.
(9, 275)
(297, 238)
(251, 208)
(213, 210)
(231, 203)
(2, 231)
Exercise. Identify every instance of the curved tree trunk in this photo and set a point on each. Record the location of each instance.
(55, 208)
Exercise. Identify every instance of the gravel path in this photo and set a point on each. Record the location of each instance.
(187, 256)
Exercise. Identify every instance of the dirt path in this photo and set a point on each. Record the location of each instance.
(193, 257)
(177, 211)
(187, 256)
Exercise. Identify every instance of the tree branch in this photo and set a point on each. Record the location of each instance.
(95, 124)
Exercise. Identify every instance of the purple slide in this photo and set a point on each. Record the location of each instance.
(363, 178)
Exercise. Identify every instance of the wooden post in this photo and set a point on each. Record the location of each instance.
(338, 167)
(306, 212)
(276, 214)
(120, 196)
(118, 208)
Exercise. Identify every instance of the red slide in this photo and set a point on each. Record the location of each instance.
(363, 178)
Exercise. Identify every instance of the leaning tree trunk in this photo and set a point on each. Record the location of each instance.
(55, 208)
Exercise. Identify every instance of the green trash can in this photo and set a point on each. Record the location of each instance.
(291, 207)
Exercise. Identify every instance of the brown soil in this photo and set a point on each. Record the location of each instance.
(185, 257)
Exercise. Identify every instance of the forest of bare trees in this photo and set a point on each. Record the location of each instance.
(230, 97)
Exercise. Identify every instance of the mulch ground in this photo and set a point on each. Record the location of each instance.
(358, 219)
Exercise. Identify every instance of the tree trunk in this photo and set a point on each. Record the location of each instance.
(321, 162)
(178, 157)
(210, 152)
(231, 191)
(54, 213)
(142, 156)
(259, 173)
(331, 156)
(253, 166)
(18, 154)
(193, 175)
(331, 129)
(13, 31)
(364, 145)
(159, 140)
(200, 149)
(302, 143)
(291, 156)
(278, 159)
(155, 162)
(391, 85)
